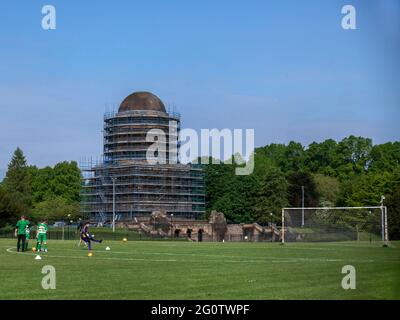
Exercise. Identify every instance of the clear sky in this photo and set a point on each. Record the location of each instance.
(285, 68)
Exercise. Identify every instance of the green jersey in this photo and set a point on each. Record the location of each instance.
(21, 226)
(42, 228)
(27, 233)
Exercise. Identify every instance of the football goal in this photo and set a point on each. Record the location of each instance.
(334, 224)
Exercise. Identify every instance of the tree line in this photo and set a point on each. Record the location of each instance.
(50, 193)
(351, 172)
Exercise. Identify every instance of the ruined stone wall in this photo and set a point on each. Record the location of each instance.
(214, 229)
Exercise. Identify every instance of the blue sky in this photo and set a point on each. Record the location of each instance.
(285, 68)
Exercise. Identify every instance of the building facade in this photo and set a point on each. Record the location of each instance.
(124, 182)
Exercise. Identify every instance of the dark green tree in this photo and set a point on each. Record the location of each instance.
(321, 157)
(287, 158)
(62, 180)
(17, 180)
(393, 205)
(298, 179)
(272, 196)
(67, 179)
(327, 188)
(56, 208)
(219, 181)
(40, 183)
(9, 211)
(294, 157)
(385, 157)
(353, 156)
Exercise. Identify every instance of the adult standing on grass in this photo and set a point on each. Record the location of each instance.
(20, 233)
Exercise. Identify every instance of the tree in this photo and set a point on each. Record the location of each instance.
(353, 155)
(229, 193)
(367, 189)
(9, 211)
(67, 180)
(288, 158)
(246, 189)
(63, 180)
(352, 172)
(296, 181)
(385, 157)
(294, 157)
(56, 208)
(272, 196)
(17, 180)
(219, 181)
(41, 183)
(327, 188)
(321, 157)
(393, 205)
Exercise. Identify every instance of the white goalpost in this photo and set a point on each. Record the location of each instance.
(324, 224)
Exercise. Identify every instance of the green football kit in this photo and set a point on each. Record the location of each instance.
(41, 237)
(21, 226)
(27, 237)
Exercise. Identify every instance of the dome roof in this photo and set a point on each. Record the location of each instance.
(142, 101)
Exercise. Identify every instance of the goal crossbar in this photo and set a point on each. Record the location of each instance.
(332, 208)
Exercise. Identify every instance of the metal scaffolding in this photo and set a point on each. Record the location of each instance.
(140, 188)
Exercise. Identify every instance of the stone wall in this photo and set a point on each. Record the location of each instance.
(214, 229)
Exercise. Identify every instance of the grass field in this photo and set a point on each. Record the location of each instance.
(190, 270)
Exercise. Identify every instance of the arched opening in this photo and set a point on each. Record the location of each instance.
(176, 233)
(248, 233)
(200, 235)
(189, 233)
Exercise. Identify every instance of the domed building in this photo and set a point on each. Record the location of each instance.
(125, 183)
(125, 131)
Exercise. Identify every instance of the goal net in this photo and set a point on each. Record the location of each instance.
(326, 224)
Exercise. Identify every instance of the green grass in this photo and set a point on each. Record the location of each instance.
(190, 270)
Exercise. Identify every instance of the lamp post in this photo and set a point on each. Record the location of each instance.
(270, 224)
(172, 226)
(69, 221)
(63, 223)
(384, 222)
(302, 206)
(63, 226)
(113, 218)
(382, 219)
(370, 220)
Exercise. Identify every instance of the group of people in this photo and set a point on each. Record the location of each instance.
(23, 231)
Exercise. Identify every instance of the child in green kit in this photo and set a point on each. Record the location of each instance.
(41, 235)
